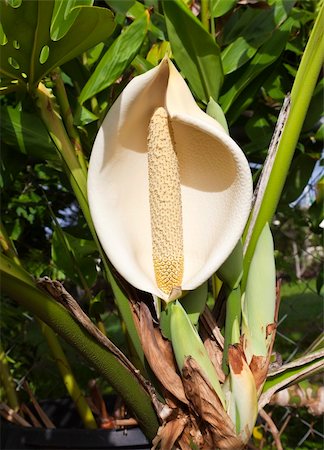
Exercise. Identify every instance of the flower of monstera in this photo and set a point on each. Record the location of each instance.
(169, 190)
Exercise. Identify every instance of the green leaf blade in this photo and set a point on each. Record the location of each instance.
(268, 53)
(116, 59)
(195, 51)
(28, 53)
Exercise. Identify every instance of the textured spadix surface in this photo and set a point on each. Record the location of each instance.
(181, 202)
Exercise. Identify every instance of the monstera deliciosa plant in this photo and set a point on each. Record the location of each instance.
(133, 96)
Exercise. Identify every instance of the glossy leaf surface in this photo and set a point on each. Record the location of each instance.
(30, 53)
(117, 58)
(194, 49)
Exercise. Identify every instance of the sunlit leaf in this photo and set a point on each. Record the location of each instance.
(64, 15)
(219, 8)
(116, 59)
(266, 55)
(195, 51)
(30, 53)
(248, 30)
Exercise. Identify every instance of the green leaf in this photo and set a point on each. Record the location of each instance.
(74, 256)
(216, 112)
(157, 52)
(259, 298)
(219, 8)
(194, 302)
(231, 271)
(121, 7)
(266, 55)
(30, 53)
(26, 132)
(117, 58)
(252, 28)
(64, 15)
(194, 50)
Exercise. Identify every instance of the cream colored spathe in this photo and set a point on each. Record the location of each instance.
(214, 179)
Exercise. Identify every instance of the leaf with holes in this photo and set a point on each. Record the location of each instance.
(30, 48)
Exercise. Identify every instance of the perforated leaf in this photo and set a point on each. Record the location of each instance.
(28, 52)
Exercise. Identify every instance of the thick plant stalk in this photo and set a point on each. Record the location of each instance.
(204, 11)
(7, 381)
(56, 351)
(78, 180)
(69, 380)
(301, 95)
(7, 246)
(19, 286)
(68, 117)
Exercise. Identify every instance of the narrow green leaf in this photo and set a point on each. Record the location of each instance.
(27, 133)
(117, 58)
(237, 54)
(121, 7)
(194, 50)
(74, 257)
(266, 55)
(64, 15)
(220, 7)
(253, 28)
(187, 342)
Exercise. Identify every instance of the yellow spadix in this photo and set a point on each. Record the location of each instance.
(169, 190)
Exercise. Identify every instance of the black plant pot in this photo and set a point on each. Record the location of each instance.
(62, 413)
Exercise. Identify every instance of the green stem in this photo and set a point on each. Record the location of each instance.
(68, 378)
(204, 13)
(212, 21)
(56, 350)
(232, 323)
(55, 127)
(301, 95)
(7, 246)
(7, 381)
(18, 285)
(68, 117)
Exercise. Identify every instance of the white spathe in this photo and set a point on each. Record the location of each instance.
(216, 182)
